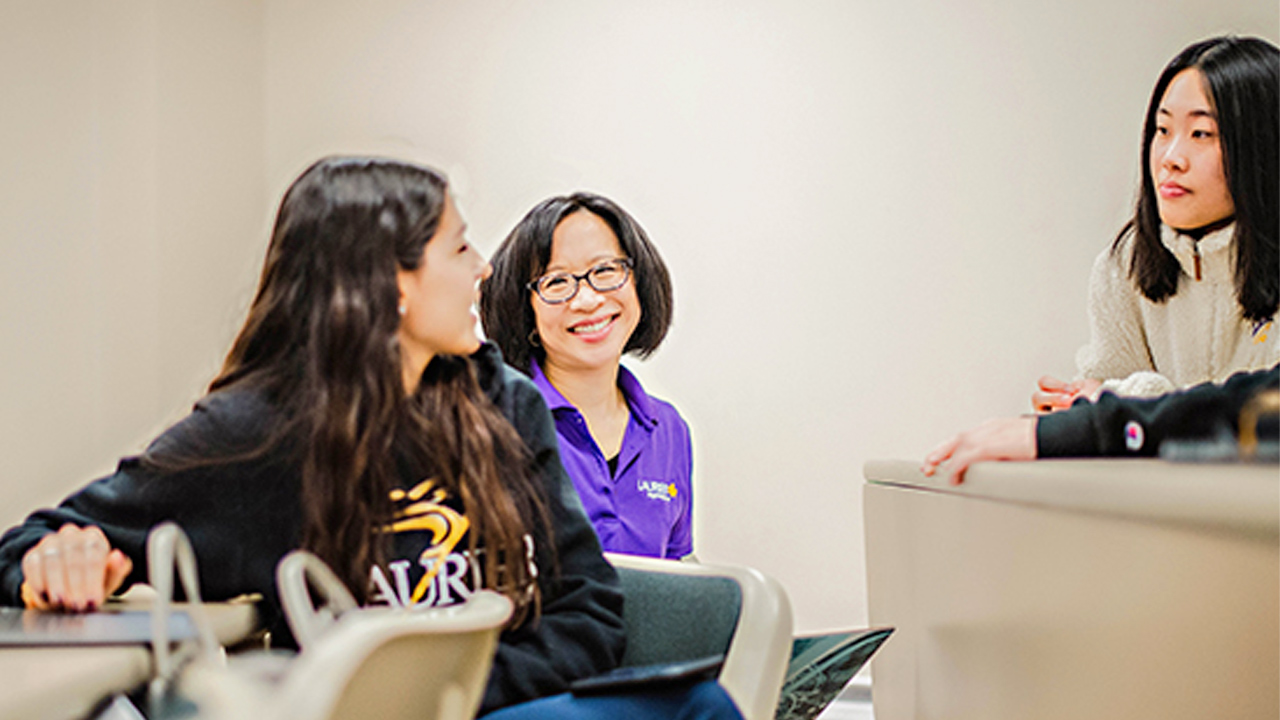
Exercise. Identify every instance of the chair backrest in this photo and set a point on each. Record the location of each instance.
(387, 663)
(670, 618)
(392, 663)
(685, 610)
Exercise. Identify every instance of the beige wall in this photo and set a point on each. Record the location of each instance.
(879, 215)
(132, 212)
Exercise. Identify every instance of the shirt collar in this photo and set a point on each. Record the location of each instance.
(1217, 261)
(637, 399)
(555, 401)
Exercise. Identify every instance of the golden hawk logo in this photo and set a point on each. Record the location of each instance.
(422, 509)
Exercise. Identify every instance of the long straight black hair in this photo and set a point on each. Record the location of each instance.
(320, 342)
(1242, 82)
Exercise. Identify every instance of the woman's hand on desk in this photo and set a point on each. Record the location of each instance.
(74, 569)
(998, 439)
(1053, 394)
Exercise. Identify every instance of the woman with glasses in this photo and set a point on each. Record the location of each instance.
(575, 286)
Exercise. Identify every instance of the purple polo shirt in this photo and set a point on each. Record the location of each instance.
(647, 508)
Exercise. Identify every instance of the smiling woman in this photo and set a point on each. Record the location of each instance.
(1188, 292)
(436, 297)
(575, 286)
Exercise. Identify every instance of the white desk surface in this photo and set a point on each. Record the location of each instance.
(1236, 498)
(56, 683)
(1067, 589)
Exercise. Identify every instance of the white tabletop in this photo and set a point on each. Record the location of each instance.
(58, 683)
(1234, 498)
(1065, 589)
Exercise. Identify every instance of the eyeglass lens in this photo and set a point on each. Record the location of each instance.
(560, 287)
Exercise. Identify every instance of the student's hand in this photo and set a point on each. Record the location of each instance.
(74, 569)
(1089, 388)
(998, 439)
(1054, 394)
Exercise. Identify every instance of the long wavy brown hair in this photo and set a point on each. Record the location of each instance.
(320, 342)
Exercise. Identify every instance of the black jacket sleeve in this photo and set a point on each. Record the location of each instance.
(579, 632)
(231, 511)
(1135, 427)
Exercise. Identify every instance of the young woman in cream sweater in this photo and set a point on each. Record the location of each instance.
(1188, 291)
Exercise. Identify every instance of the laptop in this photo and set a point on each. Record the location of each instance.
(34, 628)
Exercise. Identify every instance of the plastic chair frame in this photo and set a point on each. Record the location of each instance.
(760, 649)
(337, 637)
(168, 545)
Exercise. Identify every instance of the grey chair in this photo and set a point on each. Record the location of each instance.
(677, 611)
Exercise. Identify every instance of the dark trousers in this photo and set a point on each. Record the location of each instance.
(704, 701)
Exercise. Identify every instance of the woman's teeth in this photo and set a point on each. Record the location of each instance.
(593, 327)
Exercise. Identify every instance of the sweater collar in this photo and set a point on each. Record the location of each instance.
(488, 364)
(1217, 253)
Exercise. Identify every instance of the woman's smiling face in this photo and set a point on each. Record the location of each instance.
(590, 330)
(436, 298)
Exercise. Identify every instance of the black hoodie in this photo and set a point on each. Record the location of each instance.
(1136, 427)
(243, 516)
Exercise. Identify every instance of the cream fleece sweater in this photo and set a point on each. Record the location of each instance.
(1140, 348)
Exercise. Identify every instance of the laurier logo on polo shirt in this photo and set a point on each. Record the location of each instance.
(1260, 330)
(657, 490)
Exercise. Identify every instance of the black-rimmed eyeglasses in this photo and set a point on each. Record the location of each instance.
(561, 287)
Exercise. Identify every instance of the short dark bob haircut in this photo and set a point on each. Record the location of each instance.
(1242, 82)
(506, 308)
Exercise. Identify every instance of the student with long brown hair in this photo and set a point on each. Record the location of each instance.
(359, 416)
